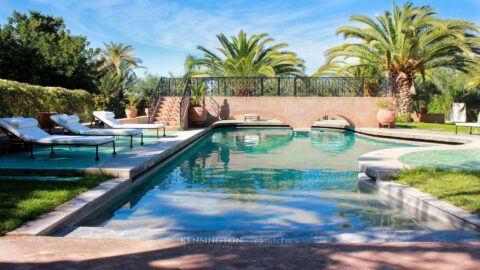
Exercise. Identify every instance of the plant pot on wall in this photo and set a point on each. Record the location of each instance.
(386, 117)
(197, 114)
(131, 113)
(423, 109)
(44, 119)
(147, 111)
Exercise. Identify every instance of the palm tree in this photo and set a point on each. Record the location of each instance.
(407, 42)
(244, 56)
(118, 67)
(474, 81)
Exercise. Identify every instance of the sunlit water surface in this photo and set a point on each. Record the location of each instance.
(263, 180)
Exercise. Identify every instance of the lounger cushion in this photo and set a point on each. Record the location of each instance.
(20, 123)
(69, 119)
(109, 119)
(72, 124)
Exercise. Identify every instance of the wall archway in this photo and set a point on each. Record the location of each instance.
(298, 112)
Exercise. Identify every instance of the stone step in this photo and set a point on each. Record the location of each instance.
(269, 237)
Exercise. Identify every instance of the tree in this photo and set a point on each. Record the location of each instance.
(38, 49)
(409, 41)
(118, 64)
(474, 80)
(244, 56)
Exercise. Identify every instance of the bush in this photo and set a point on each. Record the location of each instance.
(105, 103)
(21, 99)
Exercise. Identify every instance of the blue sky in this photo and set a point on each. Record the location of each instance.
(164, 32)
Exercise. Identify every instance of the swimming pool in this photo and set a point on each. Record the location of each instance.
(255, 180)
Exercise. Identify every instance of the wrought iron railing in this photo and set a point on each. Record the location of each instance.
(284, 86)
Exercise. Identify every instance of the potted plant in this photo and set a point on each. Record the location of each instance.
(131, 106)
(423, 108)
(386, 112)
(197, 111)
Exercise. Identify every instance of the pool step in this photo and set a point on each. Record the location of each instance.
(276, 237)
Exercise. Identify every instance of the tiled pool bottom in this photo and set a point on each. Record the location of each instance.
(69, 158)
(468, 159)
(257, 181)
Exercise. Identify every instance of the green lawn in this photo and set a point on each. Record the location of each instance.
(434, 127)
(24, 200)
(461, 188)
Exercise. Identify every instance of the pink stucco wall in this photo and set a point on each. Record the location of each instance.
(297, 112)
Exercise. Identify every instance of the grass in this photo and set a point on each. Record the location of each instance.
(461, 188)
(448, 127)
(24, 200)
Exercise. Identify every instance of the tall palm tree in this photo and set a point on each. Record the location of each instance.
(118, 66)
(474, 81)
(409, 41)
(244, 56)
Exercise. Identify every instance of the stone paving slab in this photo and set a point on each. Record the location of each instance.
(75, 253)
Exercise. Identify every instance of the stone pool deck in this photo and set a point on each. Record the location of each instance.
(71, 253)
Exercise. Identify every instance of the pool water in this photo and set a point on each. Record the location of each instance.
(262, 180)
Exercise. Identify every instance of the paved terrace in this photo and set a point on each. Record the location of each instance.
(71, 253)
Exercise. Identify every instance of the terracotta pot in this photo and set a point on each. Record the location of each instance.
(131, 113)
(386, 117)
(197, 114)
(423, 109)
(147, 111)
(44, 119)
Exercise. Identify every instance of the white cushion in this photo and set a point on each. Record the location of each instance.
(20, 123)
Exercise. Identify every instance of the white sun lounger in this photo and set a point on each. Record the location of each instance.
(108, 118)
(72, 124)
(27, 130)
(466, 124)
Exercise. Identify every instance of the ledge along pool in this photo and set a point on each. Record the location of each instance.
(240, 180)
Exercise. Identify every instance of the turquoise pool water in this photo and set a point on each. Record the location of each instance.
(261, 180)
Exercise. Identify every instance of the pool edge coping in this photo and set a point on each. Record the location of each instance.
(424, 203)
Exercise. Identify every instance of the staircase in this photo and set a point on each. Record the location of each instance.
(168, 112)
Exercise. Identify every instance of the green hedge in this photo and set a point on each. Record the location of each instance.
(21, 99)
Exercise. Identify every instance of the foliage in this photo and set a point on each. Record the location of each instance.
(118, 64)
(131, 102)
(461, 188)
(103, 102)
(244, 56)
(197, 95)
(21, 99)
(408, 41)
(38, 49)
(24, 200)
(474, 80)
(385, 103)
(144, 88)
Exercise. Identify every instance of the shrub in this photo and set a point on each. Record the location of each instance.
(21, 99)
(102, 102)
